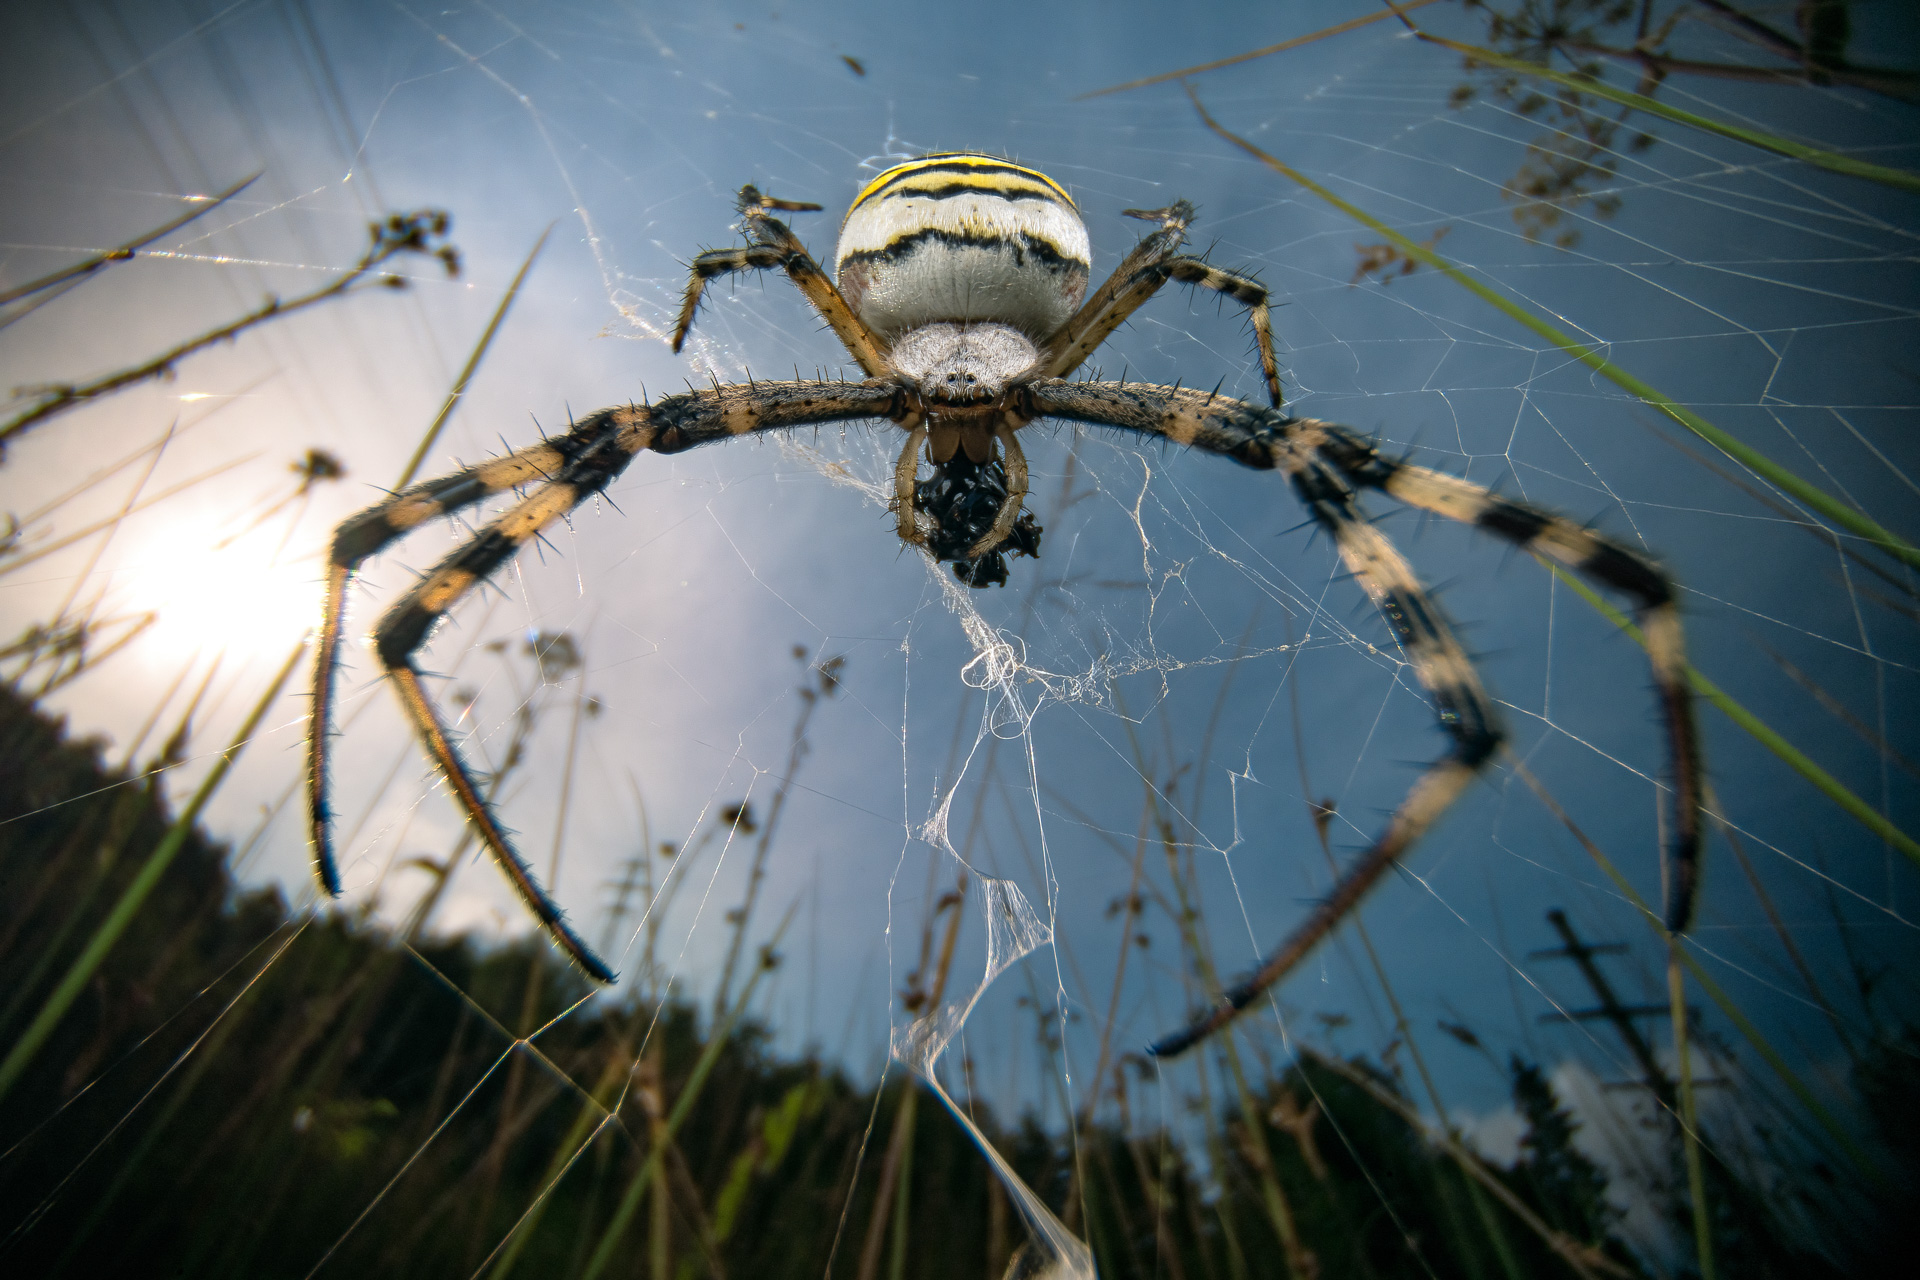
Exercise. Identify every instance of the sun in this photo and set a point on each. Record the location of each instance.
(245, 595)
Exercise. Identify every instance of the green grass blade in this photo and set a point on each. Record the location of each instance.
(1689, 1114)
(1901, 178)
(592, 1116)
(473, 364)
(1763, 733)
(1810, 495)
(682, 1107)
(131, 900)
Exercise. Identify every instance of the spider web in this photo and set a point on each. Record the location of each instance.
(1167, 694)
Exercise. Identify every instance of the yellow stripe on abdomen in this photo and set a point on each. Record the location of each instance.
(962, 238)
(931, 171)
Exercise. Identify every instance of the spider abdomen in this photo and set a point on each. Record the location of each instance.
(961, 238)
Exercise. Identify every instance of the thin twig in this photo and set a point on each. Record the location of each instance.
(121, 253)
(422, 232)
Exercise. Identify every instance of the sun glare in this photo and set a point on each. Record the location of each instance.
(246, 596)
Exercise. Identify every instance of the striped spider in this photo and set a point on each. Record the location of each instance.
(960, 289)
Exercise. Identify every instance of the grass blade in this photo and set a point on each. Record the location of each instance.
(1810, 495)
(1689, 1114)
(473, 364)
(136, 892)
(682, 1107)
(1715, 992)
(1763, 733)
(1900, 178)
(124, 252)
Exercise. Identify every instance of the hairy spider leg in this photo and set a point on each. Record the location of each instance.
(906, 469)
(772, 245)
(364, 535)
(1149, 266)
(1605, 561)
(1065, 351)
(1009, 513)
(563, 472)
(1326, 463)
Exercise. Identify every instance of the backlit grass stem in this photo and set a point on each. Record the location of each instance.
(478, 354)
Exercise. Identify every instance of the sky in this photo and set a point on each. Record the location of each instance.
(1181, 634)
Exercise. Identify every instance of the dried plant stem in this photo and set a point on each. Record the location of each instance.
(1852, 168)
(61, 544)
(1583, 1259)
(796, 753)
(1352, 24)
(124, 252)
(59, 398)
(893, 1198)
(1301, 1264)
(1843, 1140)
(616, 1227)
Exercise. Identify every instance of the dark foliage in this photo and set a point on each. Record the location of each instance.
(245, 1093)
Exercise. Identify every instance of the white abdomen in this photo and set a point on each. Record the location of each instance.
(962, 239)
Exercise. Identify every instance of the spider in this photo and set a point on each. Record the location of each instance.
(960, 289)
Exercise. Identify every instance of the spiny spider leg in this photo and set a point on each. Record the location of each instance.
(364, 535)
(1599, 558)
(1326, 463)
(1064, 351)
(772, 244)
(567, 470)
(1141, 275)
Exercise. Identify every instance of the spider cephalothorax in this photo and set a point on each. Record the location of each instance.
(963, 265)
(962, 295)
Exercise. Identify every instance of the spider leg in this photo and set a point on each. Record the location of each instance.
(1465, 712)
(1003, 520)
(568, 470)
(1326, 464)
(1158, 245)
(366, 534)
(1148, 267)
(773, 244)
(1604, 561)
(404, 630)
(905, 471)
(1250, 294)
(719, 262)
